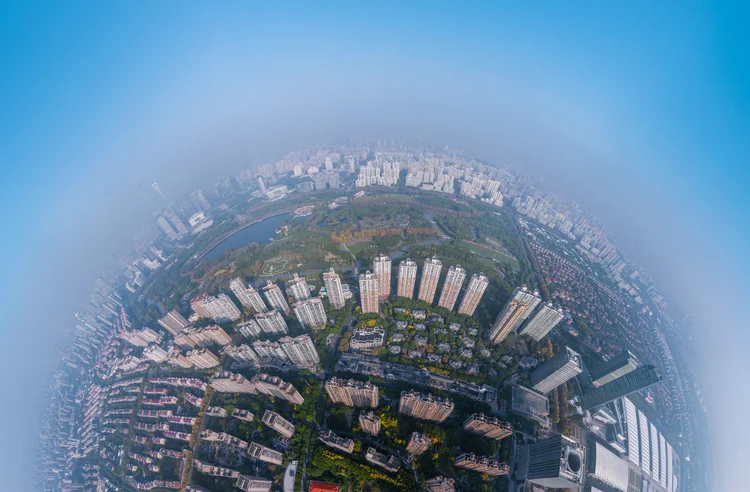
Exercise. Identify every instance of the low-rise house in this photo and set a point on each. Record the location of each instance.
(367, 338)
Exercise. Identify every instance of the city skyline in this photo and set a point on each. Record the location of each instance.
(525, 312)
(606, 128)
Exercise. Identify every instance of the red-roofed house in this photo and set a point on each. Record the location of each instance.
(323, 487)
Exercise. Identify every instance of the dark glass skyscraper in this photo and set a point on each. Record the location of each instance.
(562, 367)
(641, 378)
(616, 367)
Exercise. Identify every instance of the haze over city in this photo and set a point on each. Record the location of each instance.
(627, 120)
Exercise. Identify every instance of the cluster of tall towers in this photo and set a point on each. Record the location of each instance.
(308, 310)
(375, 287)
(518, 310)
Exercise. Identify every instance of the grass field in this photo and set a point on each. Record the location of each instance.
(490, 253)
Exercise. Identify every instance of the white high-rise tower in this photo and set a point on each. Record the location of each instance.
(542, 321)
(275, 297)
(518, 308)
(248, 296)
(474, 292)
(382, 267)
(334, 289)
(407, 278)
(368, 293)
(430, 276)
(454, 279)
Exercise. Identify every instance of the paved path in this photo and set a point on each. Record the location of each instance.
(326, 371)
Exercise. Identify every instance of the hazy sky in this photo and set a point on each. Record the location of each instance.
(639, 111)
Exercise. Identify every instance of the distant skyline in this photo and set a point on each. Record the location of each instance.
(639, 112)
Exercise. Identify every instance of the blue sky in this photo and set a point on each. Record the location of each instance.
(640, 111)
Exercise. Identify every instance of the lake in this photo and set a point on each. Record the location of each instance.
(260, 232)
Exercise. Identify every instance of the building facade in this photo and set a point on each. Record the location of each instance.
(248, 296)
(275, 298)
(242, 354)
(228, 382)
(482, 464)
(430, 277)
(249, 328)
(272, 322)
(278, 423)
(441, 484)
(247, 483)
(381, 265)
(556, 462)
(260, 452)
(407, 278)
(202, 358)
(390, 463)
(559, 369)
(418, 443)
(300, 351)
(454, 279)
(335, 292)
(474, 292)
(636, 380)
(166, 228)
(173, 322)
(542, 321)
(425, 407)
(352, 393)
(277, 387)
(155, 353)
(488, 426)
(310, 313)
(369, 422)
(269, 351)
(368, 293)
(297, 287)
(329, 438)
(220, 308)
(367, 338)
(616, 367)
(517, 309)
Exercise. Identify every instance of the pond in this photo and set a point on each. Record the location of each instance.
(261, 232)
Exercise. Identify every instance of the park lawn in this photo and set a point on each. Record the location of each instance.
(490, 253)
(359, 244)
